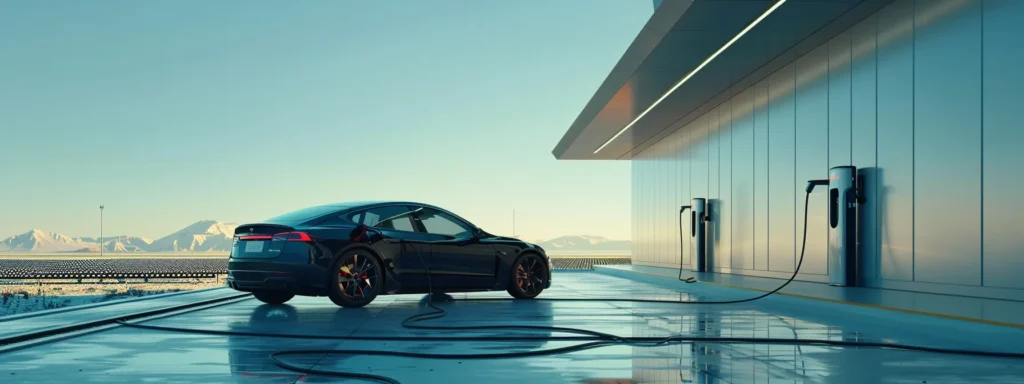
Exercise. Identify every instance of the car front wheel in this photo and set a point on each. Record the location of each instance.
(528, 277)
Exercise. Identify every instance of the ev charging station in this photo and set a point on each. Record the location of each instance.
(698, 230)
(844, 196)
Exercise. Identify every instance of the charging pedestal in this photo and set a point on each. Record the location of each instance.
(842, 226)
(698, 216)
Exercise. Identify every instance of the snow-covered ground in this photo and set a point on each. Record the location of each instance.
(24, 298)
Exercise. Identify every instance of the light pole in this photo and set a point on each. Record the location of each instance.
(101, 230)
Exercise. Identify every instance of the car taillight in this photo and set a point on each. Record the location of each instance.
(254, 237)
(292, 236)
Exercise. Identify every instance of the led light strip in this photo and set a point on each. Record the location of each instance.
(693, 72)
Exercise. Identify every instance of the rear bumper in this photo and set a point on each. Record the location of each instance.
(302, 279)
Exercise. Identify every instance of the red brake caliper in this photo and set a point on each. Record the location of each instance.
(343, 273)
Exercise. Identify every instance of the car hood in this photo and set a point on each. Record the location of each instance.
(513, 242)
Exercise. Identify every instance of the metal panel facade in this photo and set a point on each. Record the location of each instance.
(921, 97)
(1003, 35)
(714, 151)
(742, 217)
(781, 167)
(721, 206)
(761, 176)
(812, 155)
(895, 117)
(864, 129)
(947, 143)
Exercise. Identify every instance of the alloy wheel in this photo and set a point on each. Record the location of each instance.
(358, 277)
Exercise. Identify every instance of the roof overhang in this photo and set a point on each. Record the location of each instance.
(679, 37)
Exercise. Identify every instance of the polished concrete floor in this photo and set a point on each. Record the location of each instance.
(1004, 312)
(129, 355)
(42, 320)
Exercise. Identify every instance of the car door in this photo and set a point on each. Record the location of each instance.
(456, 258)
(412, 254)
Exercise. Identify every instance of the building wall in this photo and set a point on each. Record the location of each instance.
(923, 98)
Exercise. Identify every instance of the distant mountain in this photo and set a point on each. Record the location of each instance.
(203, 236)
(214, 236)
(584, 243)
(41, 241)
(127, 244)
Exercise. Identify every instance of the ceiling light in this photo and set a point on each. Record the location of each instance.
(693, 72)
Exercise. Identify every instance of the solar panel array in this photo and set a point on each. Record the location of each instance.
(584, 263)
(112, 268)
(179, 268)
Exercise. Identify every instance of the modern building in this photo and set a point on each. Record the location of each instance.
(743, 102)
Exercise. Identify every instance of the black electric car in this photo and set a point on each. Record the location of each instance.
(352, 252)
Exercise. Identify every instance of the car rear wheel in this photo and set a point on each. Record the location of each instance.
(273, 297)
(356, 279)
(528, 276)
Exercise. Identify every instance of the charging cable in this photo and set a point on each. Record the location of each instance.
(589, 339)
(803, 249)
(690, 279)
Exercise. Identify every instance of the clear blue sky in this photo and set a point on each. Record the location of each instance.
(170, 112)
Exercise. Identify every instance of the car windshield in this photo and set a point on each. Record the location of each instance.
(303, 214)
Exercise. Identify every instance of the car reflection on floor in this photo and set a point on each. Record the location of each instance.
(250, 361)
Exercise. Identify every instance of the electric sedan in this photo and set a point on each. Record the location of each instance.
(353, 252)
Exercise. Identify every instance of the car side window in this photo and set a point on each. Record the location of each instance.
(439, 223)
(342, 220)
(372, 217)
(355, 217)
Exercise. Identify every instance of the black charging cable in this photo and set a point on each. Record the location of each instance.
(796, 271)
(690, 279)
(589, 339)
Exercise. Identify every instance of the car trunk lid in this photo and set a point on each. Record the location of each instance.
(262, 240)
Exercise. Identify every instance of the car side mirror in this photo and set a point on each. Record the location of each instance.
(478, 233)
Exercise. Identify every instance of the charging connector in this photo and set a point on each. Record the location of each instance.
(814, 183)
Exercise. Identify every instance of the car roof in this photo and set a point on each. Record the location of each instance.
(352, 205)
(371, 203)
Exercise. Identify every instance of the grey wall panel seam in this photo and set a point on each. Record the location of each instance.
(768, 175)
(850, 63)
(913, 141)
(796, 142)
(981, 250)
(828, 134)
(878, 211)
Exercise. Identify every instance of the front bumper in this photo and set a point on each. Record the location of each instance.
(551, 272)
(301, 279)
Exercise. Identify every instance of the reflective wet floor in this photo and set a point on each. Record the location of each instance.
(130, 355)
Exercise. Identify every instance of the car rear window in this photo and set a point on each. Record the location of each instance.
(304, 214)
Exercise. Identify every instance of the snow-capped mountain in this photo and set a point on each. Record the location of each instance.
(214, 236)
(203, 236)
(584, 243)
(41, 241)
(127, 244)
